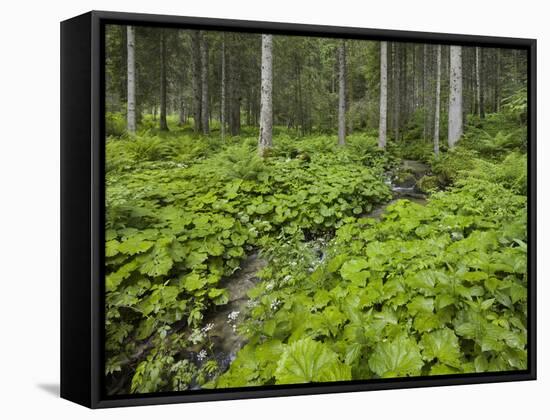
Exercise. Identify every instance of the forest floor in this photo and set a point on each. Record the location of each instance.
(225, 335)
(316, 263)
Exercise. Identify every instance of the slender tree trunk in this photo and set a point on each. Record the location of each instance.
(234, 100)
(413, 89)
(383, 122)
(197, 87)
(396, 93)
(162, 121)
(437, 100)
(424, 83)
(222, 100)
(455, 96)
(473, 90)
(349, 93)
(497, 82)
(404, 99)
(131, 118)
(342, 93)
(479, 88)
(478, 84)
(182, 112)
(266, 110)
(204, 85)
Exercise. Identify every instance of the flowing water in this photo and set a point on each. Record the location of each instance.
(405, 189)
(222, 323)
(223, 333)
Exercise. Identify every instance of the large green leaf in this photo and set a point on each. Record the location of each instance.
(135, 245)
(193, 282)
(114, 279)
(420, 304)
(352, 270)
(307, 360)
(441, 345)
(397, 357)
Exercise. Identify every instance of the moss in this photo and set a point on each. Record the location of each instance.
(404, 179)
(428, 183)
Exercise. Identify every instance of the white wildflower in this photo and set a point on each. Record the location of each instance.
(207, 327)
(196, 336)
(202, 355)
(232, 316)
(275, 304)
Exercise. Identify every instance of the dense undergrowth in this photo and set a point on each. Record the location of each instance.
(425, 290)
(175, 228)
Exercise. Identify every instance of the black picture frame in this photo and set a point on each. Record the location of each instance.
(83, 198)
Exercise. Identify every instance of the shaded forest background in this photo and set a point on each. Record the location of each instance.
(194, 74)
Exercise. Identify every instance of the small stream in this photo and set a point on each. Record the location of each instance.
(403, 187)
(222, 323)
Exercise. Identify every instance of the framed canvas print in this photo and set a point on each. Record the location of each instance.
(255, 209)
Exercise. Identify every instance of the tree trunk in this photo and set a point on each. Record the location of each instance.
(197, 87)
(383, 122)
(162, 121)
(403, 99)
(479, 89)
(396, 93)
(222, 100)
(204, 85)
(424, 86)
(497, 82)
(437, 101)
(131, 117)
(181, 113)
(266, 110)
(349, 93)
(234, 100)
(455, 96)
(342, 93)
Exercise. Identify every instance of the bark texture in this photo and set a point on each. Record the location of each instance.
(479, 87)
(342, 93)
(437, 100)
(197, 87)
(204, 85)
(162, 121)
(383, 123)
(455, 96)
(266, 100)
(222, 94)
(131, 118)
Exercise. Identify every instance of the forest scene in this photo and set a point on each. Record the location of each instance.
(292, 209)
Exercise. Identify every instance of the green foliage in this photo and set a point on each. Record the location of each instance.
(399, 356)
(428, 183)
(174, 230)
(515, 105)
(423, 290)
(492, 145)
(415, 150)
(428, 290)
(115, 124)
(307, 360)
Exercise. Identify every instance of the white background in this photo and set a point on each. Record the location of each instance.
(29, 209)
